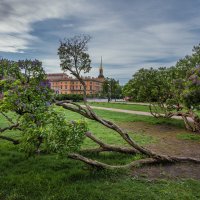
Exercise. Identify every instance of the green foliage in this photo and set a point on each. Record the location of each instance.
(111, 89)
(149, 85)
(73, 56)
(191, 92)
(50, 130)
(27, 93)
(72, 97)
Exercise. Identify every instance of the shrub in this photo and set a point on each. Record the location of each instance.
(72, 97)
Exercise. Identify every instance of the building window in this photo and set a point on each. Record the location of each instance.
(66, 87)
(90, 87)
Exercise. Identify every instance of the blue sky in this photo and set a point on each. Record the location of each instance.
(128, 34)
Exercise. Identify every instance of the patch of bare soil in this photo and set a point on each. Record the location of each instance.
(168, 144)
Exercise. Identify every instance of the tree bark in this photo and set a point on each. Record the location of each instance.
(108, 147)
(101, 165)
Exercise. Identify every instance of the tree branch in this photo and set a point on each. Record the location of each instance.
(9, 139)
(9, 128)
(8, 118)
(101, 165)
(107, 147)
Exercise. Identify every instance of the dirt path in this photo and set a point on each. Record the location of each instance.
(167, 143)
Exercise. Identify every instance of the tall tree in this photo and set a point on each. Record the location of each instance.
(111, 89)
(74, 57)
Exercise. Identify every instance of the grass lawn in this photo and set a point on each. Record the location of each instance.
(49, 177)
(123, 106)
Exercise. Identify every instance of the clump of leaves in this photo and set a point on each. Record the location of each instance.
(50, 132)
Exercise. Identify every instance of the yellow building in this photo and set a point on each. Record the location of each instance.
(61, 83)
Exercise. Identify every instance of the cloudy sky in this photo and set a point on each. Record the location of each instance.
(128, 34)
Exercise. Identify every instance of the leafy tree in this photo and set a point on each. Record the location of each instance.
(149, 85)
(28, 96)
(111, 89)
(74, 57)
(191, 92)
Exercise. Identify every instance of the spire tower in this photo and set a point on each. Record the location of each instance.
(101, 70)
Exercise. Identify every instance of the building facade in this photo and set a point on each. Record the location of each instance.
(61, 83)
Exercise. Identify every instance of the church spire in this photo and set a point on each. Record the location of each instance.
(101, 70)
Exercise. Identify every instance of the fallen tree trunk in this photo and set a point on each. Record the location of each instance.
(108, 147)
(151, 157)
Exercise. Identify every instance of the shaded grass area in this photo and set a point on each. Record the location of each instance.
(49, 177)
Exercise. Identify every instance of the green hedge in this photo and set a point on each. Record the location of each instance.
(72, 97)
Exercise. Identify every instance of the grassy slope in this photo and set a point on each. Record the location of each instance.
(51, 177)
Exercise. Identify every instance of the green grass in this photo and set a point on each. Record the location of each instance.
(109, 136)
(125, 117)
(188, 136)
(49, 177)
(123, 106)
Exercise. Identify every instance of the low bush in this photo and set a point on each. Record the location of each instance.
(72, 97)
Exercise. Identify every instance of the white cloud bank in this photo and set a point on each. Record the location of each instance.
(17, 17)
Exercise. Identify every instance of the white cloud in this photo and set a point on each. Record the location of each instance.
(23, 14)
